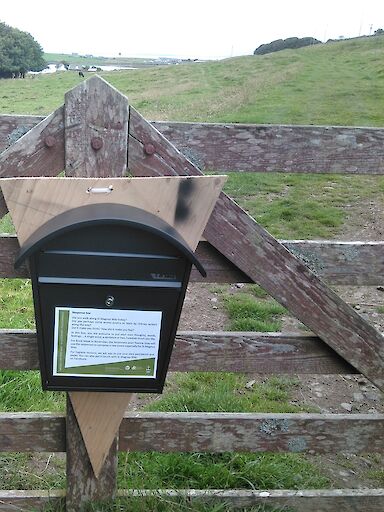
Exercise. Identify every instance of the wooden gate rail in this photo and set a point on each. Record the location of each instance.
(339, 263)
(208, 432)
(326, 500)
(215, 433)
(254, 148)
(212, 351)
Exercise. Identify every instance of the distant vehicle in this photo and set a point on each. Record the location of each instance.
(92, 68)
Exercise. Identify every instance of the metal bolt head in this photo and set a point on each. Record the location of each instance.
(109, 301)
(149, 149)
(96, 143)
(49, 141)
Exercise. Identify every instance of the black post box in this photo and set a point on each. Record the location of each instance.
(108, 284)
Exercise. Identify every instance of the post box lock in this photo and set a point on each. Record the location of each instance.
(109, 282)
(109, 301)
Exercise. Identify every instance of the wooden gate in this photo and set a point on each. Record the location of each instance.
(96, 133)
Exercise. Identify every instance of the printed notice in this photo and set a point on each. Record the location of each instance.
(106, 342)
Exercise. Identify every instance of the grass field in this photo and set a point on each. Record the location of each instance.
(339, 83)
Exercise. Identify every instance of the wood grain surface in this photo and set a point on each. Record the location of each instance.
(82, 483)
(96, 128)
(324, 500)
(279, 148)
(212, 351)
(207, 432)
(257, 148)
(34, 201)
(338, 263)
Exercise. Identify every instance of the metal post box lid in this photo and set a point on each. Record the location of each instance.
(104, 214)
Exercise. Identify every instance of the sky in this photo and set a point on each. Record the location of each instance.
(204, 29)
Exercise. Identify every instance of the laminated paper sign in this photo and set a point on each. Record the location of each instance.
(106, 343)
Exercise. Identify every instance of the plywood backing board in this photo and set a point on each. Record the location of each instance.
(183, 202)
(99, 416)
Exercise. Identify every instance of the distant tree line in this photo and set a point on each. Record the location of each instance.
(283, 44)
(19, 53)
(296, 42)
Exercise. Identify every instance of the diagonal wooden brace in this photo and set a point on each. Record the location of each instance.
(259, 255)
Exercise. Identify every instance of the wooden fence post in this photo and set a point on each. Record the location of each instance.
(82, 485)
(96, 132)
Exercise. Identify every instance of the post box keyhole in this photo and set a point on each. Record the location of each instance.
(109, 301)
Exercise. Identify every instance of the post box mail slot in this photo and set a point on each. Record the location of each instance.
(108, 284)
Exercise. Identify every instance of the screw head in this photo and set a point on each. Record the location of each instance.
(96, 143)
(149, 149)
(49, 141)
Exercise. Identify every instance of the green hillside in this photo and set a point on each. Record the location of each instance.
(337, 83)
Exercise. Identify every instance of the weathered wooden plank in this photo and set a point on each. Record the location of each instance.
(277, 148)
(96, 130)
(211, 351)
(245, 432)
(27, 153)
(39, 152)
(324, 500)
(204, 432)
(342, 263)
(12, 127)
(321, 500)
(259, 255)
(32, 432)
(18, 350)
(257, 148)
(10, 501)
(255, 352)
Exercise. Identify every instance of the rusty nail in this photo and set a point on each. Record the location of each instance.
(49, 141)
(149, 149)
(96, 143)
